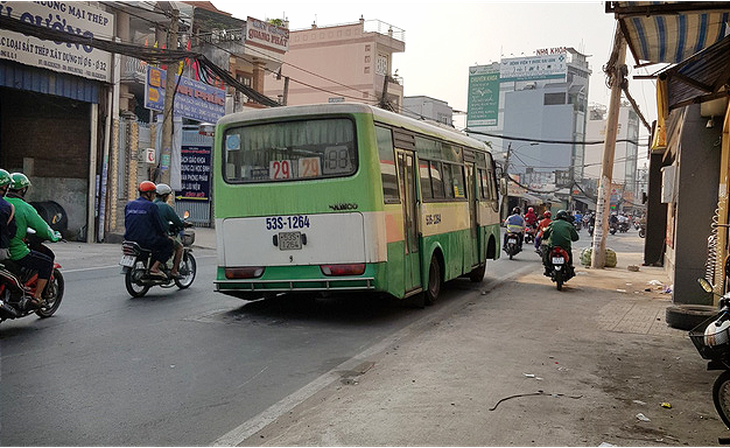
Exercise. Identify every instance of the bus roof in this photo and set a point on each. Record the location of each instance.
(380, 115)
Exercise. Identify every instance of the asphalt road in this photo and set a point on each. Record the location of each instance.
(187, 367)
(174, 367)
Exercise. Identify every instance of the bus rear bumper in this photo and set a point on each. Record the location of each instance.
(258, 288)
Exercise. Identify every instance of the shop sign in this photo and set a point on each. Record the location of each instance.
(194, 100)
(483, 106)
(195, 171)
(533, 68)
(74, 18)
(266, 35)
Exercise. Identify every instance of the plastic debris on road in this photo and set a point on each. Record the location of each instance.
(529, 375)
(655, 283)
(666, 405)
(642, 403)
(642, 417)
(605, 445)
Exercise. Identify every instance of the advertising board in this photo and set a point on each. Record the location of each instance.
(483, 107)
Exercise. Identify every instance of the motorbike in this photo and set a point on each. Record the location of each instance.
(136, 263)
(623, 227)
(18, 285)
(530, 233)
(711, 338)
(642, 231)
(591, 226)
(513, 244)
(613, 227)
(559, 269)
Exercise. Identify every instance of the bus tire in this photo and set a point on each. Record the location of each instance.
(477, 274)
(431, 294)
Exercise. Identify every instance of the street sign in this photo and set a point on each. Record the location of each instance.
(150, 156)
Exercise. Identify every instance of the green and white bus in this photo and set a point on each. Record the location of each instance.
(347, 197)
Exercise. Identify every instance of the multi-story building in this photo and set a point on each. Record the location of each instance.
(625, 166)
(341, 63)
(534, 109)
(427, 108)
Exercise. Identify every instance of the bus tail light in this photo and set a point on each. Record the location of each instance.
(343, 269)
(247, 272)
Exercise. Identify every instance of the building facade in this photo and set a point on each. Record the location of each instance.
(342, 63)
(427, 108)
(533, 110)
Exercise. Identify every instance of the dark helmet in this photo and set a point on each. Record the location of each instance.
(147, 186)
(563, 214)
(516, 210)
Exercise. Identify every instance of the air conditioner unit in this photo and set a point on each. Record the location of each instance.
(669, 174)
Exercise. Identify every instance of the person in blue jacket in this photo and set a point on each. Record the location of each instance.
(143, 225)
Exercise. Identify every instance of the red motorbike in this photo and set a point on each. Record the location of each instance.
(17, 286)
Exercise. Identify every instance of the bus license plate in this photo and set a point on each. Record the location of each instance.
(558, 260)
(127, 261)
(290, 240)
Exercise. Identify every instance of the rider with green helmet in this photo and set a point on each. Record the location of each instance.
(27, 217)
(561, 233)
(7, 216)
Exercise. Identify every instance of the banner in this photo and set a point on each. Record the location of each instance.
(483, 107)
(194, 100)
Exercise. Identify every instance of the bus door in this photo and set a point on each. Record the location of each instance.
(472, 189)
(407, 180)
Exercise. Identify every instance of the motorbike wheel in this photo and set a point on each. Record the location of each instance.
(721, 396)
(559, 281)
(189, 266)
(53, 294)
(134, 289)
(434, 282)
(642, 233)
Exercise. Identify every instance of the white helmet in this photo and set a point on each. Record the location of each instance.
(163, 189)
(717, 333)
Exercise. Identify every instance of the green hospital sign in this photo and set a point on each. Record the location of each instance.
(483, 107)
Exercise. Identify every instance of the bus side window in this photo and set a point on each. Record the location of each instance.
(448, 181)
(436, 180)
(387, 165)
(457, 175)
(426, 190)
(483, 193)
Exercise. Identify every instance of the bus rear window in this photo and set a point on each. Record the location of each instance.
(290, 150)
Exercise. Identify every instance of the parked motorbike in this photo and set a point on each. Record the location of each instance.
(18, 285)
(513, 244)
(136, 263)
(712, 340)
(559, 269)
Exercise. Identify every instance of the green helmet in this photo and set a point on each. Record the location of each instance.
(4, 178)
(19, 181)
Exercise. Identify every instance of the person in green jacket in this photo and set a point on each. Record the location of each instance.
(27, 217)
(171, 223)
(561, 233)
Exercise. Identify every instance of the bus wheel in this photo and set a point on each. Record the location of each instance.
(434, 282)
(477, 274)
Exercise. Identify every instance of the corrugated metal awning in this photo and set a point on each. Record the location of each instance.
(701, 78)
(670, 32)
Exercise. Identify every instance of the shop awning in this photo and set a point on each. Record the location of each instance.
(670, 32)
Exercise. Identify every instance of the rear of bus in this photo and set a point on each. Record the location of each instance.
(298, 201)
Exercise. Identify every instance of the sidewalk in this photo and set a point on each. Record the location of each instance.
(599, 351)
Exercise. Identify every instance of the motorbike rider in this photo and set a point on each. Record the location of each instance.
(515, 223)
(171, 223)
(143, 225)
(7, 216)
(561, 233)
(27, 217)
(530, 217)
(541, 226)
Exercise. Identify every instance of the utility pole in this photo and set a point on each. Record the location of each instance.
(167, 123)
(286, 90)
(617, 73)
(505, 177)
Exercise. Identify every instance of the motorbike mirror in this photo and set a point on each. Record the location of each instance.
(186, 214)
(704, 284)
